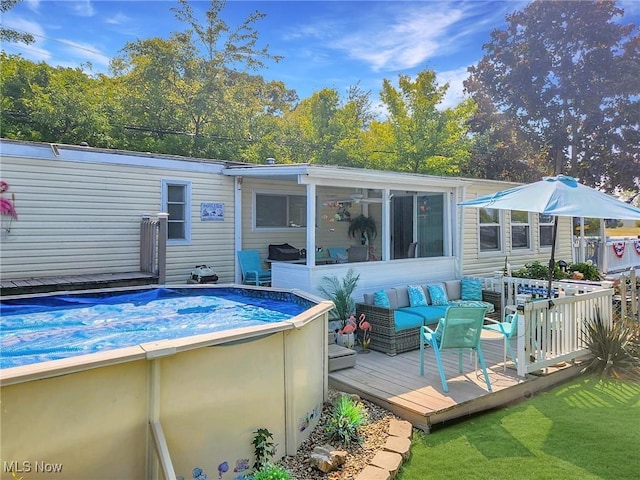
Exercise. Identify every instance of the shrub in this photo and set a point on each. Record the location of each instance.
(612, 348)
(538, 271)
(345, 420)
(263, 447)
(340, 291)
(588, 270)
(272, 472)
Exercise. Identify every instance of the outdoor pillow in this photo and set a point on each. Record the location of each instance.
(471, 289)
(438, 295)
(416, 296)
(381, 299)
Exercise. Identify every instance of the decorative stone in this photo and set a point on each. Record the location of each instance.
(371, 472)
(400, 428)
(400, 445)
(327, 459)
(388, 461)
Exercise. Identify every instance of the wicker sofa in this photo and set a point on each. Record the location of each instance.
(396, 329)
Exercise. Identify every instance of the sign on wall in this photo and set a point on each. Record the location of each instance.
(211, 211)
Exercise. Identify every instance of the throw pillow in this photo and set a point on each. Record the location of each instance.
(381, 299)
(471, 289)
(416, 296)
(438, 295)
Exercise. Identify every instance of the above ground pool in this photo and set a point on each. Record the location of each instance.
(47, 328)
(150, 382)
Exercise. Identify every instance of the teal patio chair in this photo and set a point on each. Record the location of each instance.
(460, 330)
(251, 266)
(508, 328)
(338, 253)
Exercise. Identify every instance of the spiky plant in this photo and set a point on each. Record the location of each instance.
(345, 420)
(612, 348)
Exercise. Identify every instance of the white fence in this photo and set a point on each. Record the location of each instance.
(553, 332)
(629, 293)
(612, 256)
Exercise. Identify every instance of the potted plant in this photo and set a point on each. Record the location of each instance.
(340, 291)
(363, 227)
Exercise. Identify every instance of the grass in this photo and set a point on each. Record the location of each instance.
(581, 430)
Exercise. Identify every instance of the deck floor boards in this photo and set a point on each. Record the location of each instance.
(22, 286)
(395, 383)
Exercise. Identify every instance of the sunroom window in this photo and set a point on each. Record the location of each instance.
(280, 211)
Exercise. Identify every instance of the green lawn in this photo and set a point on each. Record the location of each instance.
(580, 430)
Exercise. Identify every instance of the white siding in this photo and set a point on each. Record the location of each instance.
(483, 264)
(82, 216)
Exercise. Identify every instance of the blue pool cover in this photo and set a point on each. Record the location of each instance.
(47, 328)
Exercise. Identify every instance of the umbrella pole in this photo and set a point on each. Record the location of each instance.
(552, 260)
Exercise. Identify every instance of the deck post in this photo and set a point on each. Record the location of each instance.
(162, 247)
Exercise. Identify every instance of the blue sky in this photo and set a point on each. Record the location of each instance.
(324, 43)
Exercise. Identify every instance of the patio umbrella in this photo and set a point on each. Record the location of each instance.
(557, 196)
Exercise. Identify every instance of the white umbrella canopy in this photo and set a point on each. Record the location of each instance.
(558, 196)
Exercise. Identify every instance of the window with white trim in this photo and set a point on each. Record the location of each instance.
(176, 201)
(520, 230)
(545, 228)
(490, 227)
(276, 210)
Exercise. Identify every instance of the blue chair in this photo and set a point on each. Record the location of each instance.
(340, 254)
(251, 266)
(459, 330)
(508, 328)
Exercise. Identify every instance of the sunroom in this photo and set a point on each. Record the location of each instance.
(415, 216)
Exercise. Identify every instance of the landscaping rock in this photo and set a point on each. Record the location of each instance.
(327, 459)
(400, 428)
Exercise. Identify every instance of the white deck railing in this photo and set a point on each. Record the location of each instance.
(553, 332)
(610, 257)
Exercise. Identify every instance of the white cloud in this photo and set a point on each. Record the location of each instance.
(35, 51)
(117, 19)
(455, 79)
(83, 8)
(34, 5)
(86, 52)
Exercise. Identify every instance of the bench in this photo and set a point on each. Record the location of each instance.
(395, 328)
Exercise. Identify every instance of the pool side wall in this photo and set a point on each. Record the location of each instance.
(209, 397)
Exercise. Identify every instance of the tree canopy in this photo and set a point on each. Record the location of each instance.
(560, 87)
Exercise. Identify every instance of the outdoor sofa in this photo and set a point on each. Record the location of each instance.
(397, 314)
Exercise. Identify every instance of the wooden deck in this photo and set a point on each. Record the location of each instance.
(395, 383)
(22, 286)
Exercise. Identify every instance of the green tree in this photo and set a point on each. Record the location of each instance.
(564, 77)
(10, 34)
(192, 84)
(425, 139)
(62, 105)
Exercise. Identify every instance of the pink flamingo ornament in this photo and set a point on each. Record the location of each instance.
(7, 206)
(350, 327)
(366, 331)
